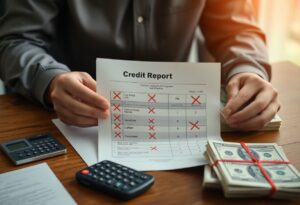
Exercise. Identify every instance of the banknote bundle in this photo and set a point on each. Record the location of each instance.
(250, 170)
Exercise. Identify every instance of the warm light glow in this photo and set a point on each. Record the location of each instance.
(281, 22)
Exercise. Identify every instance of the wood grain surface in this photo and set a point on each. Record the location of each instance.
(20, 117)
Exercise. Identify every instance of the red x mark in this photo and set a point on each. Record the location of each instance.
(151, 110)
(195, 100)
(117, 126)
(117, 95)
(151, 127)
(118, 134)
(152, 148)
(116, 107)
(152, 135)
(151, 120)
(194, 125)
(117, 118)
(151, 98)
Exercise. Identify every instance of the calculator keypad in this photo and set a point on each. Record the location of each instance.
(39, 147)
(119, 177)
(115, 177)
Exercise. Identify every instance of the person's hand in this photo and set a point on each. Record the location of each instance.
(75, 100)
(251, 102)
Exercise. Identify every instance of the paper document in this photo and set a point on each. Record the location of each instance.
(84, 140)
(32, 186)
(161, 114)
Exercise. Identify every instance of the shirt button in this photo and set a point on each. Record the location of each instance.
(140, 19)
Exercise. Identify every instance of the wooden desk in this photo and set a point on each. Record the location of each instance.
(19, 117)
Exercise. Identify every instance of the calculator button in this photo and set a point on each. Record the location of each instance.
(144, 176)
(85, 172)
(131, 171)
(110, 181)
(125, 187)
(132, 183)
(118, 184)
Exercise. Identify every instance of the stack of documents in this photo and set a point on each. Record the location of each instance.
(274, 124)
(250, 170)
(31, 186)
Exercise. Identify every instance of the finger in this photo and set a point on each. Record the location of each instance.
(89, 82)
(82, 109)
(244, 95)
(259, 121)
(262, 100)
(232, 88)
(72, 119)
(87, 95)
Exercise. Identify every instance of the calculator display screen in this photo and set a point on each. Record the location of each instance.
(16, 145)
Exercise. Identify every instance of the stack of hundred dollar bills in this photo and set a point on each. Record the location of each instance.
(233, 169)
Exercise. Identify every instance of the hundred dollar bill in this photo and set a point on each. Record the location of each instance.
(210, 179)
(245, 178)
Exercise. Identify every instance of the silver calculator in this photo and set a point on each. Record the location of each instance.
(32, 148)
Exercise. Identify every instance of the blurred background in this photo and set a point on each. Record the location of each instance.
(279, 19)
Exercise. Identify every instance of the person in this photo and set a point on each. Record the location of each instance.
(48, 50)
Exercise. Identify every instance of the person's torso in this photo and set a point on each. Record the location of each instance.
(156, 30)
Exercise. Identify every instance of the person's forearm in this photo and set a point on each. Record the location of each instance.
(27, 69)
(234, 39)
(26, 31)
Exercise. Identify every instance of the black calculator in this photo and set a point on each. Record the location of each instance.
(115, 179)
(32, 148)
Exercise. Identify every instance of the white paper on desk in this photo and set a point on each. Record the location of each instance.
(158, 124)
(31, 186)
(84, 140)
